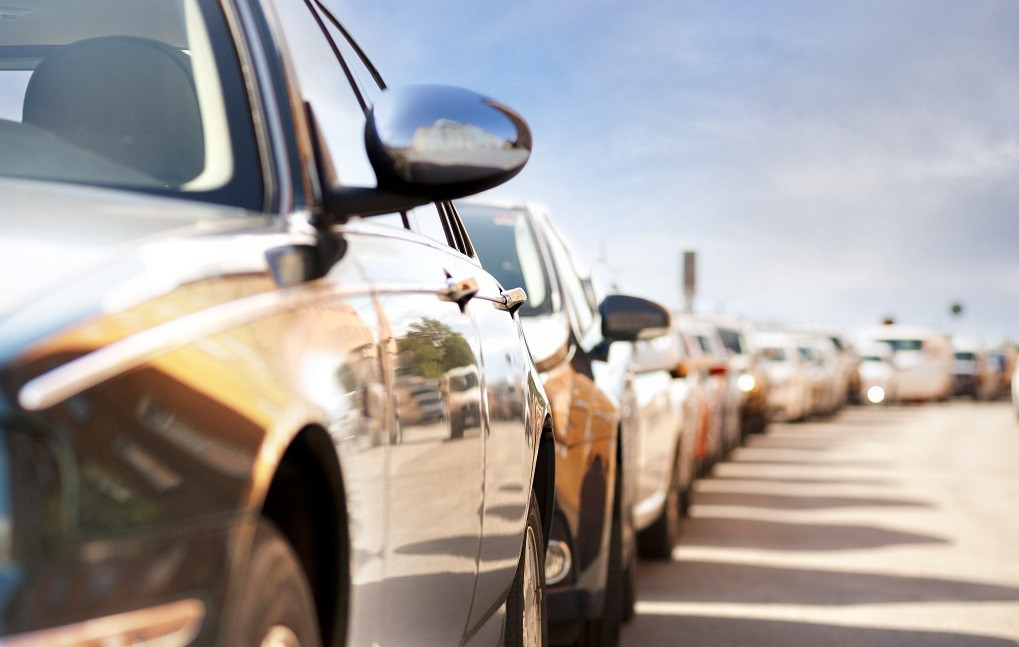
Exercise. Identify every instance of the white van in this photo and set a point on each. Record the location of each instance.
(923, 357)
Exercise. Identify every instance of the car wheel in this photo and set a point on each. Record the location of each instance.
(276, 608)
(604, 632)
(630, 582)
(656, 541)
(526, 616)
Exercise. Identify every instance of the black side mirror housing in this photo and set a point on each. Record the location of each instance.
(628, 318)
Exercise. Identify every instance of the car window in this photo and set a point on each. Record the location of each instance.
(731, 339)
(427, 220)
(151, 99)
(566, 270)
(324, 85)
(505, 243)
(774, 354)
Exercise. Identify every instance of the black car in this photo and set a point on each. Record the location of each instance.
(249, 394)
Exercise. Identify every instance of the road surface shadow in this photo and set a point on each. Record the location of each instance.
(697, 631)
(780, 536)
(694, 581)
(788, 502)
(806, 480)
(814, 461)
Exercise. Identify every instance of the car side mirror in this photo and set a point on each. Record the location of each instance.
(433, 142)
(627, 318)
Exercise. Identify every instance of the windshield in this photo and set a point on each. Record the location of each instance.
(506, 246)
(141, 95)
(774, 354)
(731, 339)
(904, 344)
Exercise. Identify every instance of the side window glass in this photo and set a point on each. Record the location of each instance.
(427, 220)
(576, 295)
(325, 87)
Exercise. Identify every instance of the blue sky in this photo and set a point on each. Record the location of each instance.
(830, 162)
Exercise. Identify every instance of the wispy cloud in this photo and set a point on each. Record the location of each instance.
(852, 158)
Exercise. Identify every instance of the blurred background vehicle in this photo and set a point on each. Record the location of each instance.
(878, 373)
(848, 361)
(818, 364)
(689, 403)
(973, 373)
(1014, 390)
(751, 379)
(589, 568)
(709, 356)
(923, 357)
(791, 389)
(1002, 360)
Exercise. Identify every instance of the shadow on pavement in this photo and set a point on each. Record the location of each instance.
(806, 480)
(788, 502)
(813, 461)
(773, 535)
(741, 583)
(695, 631)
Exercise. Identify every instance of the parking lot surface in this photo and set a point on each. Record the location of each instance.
(881, 526)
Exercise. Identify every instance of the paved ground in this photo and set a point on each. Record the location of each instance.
(882, 527)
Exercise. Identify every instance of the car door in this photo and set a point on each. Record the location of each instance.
(435, 464)
(420, 563)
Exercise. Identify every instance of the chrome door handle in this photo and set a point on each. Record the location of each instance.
(459, 292)
(512, 300)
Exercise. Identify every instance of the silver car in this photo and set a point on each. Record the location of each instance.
(249, 393)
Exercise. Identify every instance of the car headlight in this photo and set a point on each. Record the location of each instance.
(746, 383)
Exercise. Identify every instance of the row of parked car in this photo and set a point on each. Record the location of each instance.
(642, 408)
(265, 379)
(643, 401)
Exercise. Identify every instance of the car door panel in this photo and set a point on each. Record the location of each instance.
(435, 468)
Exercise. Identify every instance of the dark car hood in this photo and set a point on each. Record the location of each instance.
(67, 253)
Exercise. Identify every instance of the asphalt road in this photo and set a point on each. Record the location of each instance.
(884, 526)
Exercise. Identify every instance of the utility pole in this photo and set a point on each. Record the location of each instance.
(689, 279)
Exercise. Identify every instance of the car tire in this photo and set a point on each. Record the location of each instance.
(604, 632)
(276, 607)
(656, 541)
(526, 607)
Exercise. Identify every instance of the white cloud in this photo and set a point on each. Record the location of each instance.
(852, 158)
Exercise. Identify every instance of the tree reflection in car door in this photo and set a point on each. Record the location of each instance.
(434, 482)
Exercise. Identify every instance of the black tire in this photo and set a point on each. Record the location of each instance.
(276, 606)
(656, 541)
(604, 632)
(526, 608)
(630, 582)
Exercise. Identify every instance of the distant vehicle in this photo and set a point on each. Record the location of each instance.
(751, 378)
(1015, 392)
(878, 381)
(923, 357)
(972, 371)
(690, 399)
(220, 418)
(703, 343)
(848, 363)
(821, 366)
(590, 565)
(1002, 361)
(790, 396)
